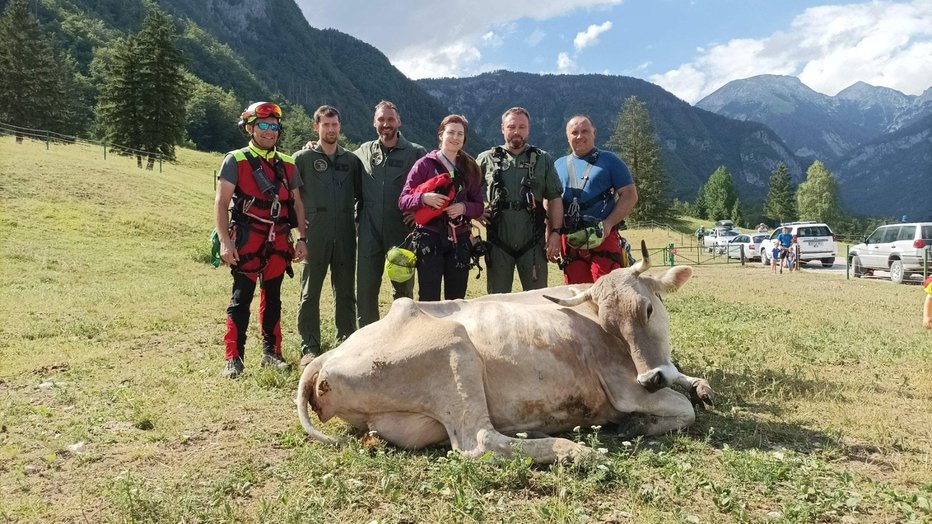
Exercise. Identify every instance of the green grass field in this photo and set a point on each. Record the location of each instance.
(112, 407)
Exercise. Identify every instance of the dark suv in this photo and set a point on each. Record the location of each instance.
(900, 249)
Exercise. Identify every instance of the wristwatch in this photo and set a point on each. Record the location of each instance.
(302, 239)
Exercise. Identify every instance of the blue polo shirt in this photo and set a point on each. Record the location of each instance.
(786, 239)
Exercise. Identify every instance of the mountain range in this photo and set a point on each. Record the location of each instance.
(876, 140)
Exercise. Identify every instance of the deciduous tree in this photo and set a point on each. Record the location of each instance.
(720, 195)
(817, 198)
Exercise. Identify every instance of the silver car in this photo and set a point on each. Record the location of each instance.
(901, 249)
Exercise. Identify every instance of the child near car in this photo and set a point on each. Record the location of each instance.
(927, 307)
(790, 259)
(775, 257)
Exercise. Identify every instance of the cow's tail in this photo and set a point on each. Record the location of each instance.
(307, 389)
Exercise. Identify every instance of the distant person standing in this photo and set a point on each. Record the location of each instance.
(332, 178)
(775, 259)
(762, 228)
(386, 163)
(927, 306)
(786, 243)
(598, 194)
(526, 211)
(263, 186)
(442, 238)
(700, 234)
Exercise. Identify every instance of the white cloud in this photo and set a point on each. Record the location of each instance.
(590, 36)
(443, 62)
(565, 64)
(829, 47)
(424, 39)
(536, 37)
(491, 39)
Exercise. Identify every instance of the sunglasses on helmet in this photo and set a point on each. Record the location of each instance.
(262, 111)
(266, 126)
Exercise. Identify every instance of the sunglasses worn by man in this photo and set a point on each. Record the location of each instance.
(266, 126)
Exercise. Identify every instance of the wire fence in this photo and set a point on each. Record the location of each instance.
(51, 137)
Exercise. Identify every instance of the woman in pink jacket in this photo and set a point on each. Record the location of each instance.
(442, 242)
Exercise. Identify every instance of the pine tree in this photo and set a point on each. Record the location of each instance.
(720, 195)
(142, 103)
(161, 76)
(702, 210)
(817, 197)
(635, 141)
(737, 216)
(38, 88)
(780, 205)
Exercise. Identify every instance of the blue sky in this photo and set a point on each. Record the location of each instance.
(690, 48)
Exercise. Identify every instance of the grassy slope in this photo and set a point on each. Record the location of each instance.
(823, 411)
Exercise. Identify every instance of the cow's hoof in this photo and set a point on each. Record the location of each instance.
(701, 395)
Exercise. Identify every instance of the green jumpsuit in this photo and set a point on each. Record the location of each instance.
(381, 226)
(330, 192)
(514, 226)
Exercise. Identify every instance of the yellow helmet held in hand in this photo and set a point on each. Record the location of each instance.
(399, 264)
(588, 238)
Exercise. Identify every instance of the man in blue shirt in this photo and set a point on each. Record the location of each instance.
(598, 193)
(786, 240)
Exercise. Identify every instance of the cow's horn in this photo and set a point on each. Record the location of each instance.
(643, 264)
(574, 300)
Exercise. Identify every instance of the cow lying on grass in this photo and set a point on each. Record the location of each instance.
(472, 372)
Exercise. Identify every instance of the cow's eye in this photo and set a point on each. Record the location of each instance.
(650, 311)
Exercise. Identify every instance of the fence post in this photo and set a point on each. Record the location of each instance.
(105, 149)
(671, 254)
(215, 180)
(46, 140)
(743, 257)
(160, 163)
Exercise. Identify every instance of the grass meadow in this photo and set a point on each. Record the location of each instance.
(112, 407)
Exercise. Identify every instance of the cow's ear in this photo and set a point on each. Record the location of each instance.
(675, 278)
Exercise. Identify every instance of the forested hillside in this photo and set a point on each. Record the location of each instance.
(253, 49)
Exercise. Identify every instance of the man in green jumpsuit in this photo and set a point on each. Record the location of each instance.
(332, 179)
(386, 163)
(522, 183)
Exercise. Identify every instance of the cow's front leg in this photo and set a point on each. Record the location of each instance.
(700, 392)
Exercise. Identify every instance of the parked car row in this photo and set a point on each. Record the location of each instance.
(901, 249)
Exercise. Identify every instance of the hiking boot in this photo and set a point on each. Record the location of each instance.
(276, 361)
(234, 368)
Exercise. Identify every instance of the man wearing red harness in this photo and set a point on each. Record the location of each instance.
(598, 193)
(263, 186)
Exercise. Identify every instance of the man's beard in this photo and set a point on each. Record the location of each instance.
(517, 143)
(329, 139)
(388, 133)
